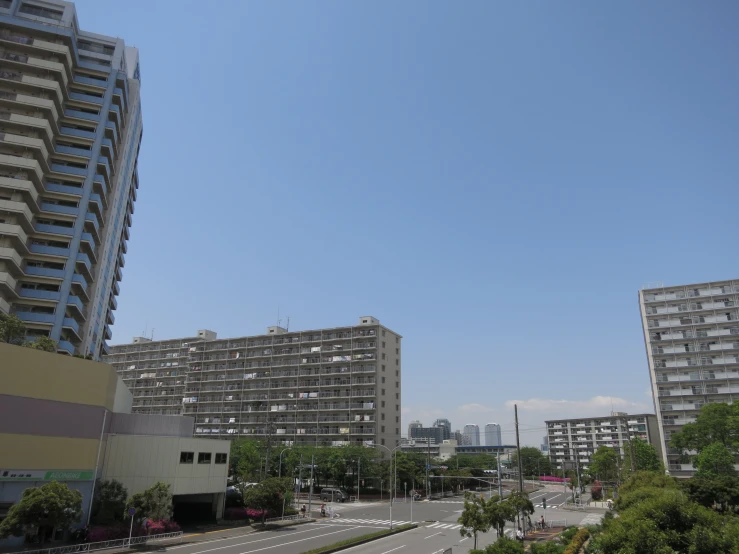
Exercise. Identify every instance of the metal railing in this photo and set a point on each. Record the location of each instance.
(106, 545)
(285, 518)
(556, 523)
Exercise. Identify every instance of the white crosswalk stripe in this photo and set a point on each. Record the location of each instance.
(365, 521)
(440, 525)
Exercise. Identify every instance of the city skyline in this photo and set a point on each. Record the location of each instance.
(497, 197)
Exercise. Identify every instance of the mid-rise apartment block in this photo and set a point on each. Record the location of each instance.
(691, 334)
(574, 441)
(324, 387)
(70, 130)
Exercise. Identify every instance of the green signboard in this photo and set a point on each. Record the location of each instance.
(45, 475)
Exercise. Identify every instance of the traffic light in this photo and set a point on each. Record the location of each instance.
(544, 503)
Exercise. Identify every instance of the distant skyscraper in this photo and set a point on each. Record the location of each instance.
(472, 435)
(71, 131)
(412, 426)
(446, 428)
(458, 436)
(492, 435)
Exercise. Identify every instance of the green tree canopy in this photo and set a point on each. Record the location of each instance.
(716, 423)
(42, 510)
(605, 464)
(646, 457)
(154, 503)
(110, 502)
(714, 460)
(473, 519)
(499, 512)
(12, 329)
(42, 343)
(503, 545)
(532, 461)
(267, 495)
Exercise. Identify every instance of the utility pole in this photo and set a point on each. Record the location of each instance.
(300, 480)
(631, 445)
(359, 464)
(500, 479)
(518, 451)
(428, 465)
(310, 494)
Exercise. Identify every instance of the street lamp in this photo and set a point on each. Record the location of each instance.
(279, 473)
(392, 452)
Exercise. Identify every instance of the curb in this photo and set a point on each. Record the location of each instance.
(365, 541)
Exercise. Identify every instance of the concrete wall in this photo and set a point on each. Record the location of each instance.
(139, 462)
(45, 375)
(160, 425)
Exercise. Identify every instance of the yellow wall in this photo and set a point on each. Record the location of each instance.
(50, 376)
(33, 452)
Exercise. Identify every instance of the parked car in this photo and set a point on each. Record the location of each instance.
(333, 495)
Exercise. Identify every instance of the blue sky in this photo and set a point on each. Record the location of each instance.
(493, 180)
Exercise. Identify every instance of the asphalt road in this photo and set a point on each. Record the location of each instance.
(437, 529)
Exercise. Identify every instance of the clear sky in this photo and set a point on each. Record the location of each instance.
(493, 180)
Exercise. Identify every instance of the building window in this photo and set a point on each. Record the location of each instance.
(397, 431)
(382, 441)
(383, 342)
(382, 429)
(383, 355)
(382, 416)
(397, 396)
(397, 385)
(203, 457)
(383, 404)
(397, 407)
(397, 340)
(397, 351)
(397, 361)
(186, 457)
(383, 367)
(221, 457)
(397, 373)
(383, 379)
(397, 419)
(383, 392)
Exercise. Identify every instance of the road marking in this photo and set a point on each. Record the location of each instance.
(232, 538)
(292, 542)
(394, 549)
(439, 533)
(464, 539)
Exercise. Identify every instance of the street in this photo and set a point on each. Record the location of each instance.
(437, 528)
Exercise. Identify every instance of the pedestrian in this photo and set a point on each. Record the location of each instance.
(303, 510)
(519, 535)
(323, 510)
(542, 522)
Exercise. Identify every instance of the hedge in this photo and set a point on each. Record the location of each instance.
(341, 545)
(577, 542)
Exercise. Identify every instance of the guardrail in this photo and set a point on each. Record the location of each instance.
(557, 523)
(106, 545)
(286, 518)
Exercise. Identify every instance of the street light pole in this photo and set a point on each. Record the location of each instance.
(279, 471)
(392, 452)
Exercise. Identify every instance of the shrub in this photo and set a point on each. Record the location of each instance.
(236, 513)
(547, 548)
(568, 533)
(577, 542)
(99, 533)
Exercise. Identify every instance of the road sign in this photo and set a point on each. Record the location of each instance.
(131, 511)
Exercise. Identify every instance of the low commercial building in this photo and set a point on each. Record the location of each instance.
(574, 441)
(69, 420)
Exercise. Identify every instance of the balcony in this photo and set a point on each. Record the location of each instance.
(83, 262)
(54, 229)
(43, 271)
(118, 274)
(22, 144)
(33, 317)
(89, 245)
(40, 294)
(111, 131)
(8, 284)
(29, 190)
(80, 284)
(92, 225)
(77, 114)
(121, 259)
(86, 98)
(103, 162)
(113, 303)
(64, 189)
(111, 321)
(100, 186)
(18, 79)
(96, 204)
(17, 236)
(116, 288)
(108, 333)
(102, 83)
(59, 209)
(70, 324)
(66, 347)
(74, 302)
(72, 151)
(19, 209)
(81, 133)
(69, 169)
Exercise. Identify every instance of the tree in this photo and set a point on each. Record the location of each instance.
(717, 422)
(605, 464)
(110, 502)
(246, 461)
(473, 518)
(503, 545)
(532, 461)
(645, 457)
(12, 329)
(714, 460)
(499, 512)
(521, 505)
(42, 343)
(42, 510)
(267, 495)
(721, 491)
(154, 503)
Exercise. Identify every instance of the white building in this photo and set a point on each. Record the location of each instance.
(691, 334)
(493, 435)
(471, 435)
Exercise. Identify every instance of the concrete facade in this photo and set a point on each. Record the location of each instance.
(67, 419)
(493, 435)
(471, 435)
(576, 440)
(691, 334)
(322, 387)
(70, 131)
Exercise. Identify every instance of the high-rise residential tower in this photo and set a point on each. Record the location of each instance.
(492, 435)
(70, 130)
(471, 435)
(692, 337)
(412, 426)
(324, 387)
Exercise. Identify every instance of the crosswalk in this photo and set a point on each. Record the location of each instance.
(440, 525)
(447, 501)
(366, 521)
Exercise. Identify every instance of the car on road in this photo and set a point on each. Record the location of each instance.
(330, 494)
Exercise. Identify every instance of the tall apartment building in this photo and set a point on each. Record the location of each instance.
(691, 334)
(324, 386)
(492, 435)
(471, 435)
(70, 130)
(412, 426)
(574, 441)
